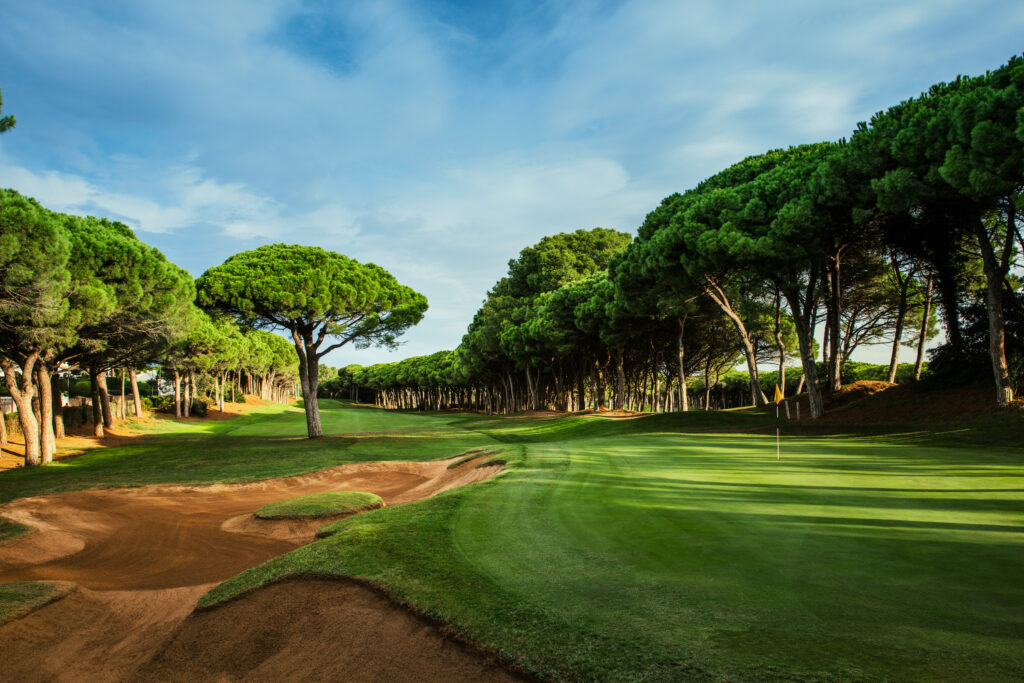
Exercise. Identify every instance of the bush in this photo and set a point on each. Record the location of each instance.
(80, 388)
(197, 408)
(163, 404)
(147, 403)
(75, 416)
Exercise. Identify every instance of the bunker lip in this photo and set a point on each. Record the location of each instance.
(133, 551)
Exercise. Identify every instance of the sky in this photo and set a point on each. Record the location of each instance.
(439, 138)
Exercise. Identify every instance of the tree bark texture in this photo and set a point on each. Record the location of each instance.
(97, 411)
(22, 394)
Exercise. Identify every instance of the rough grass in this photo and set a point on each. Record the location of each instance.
(10, 530)
(22, 597)
(321, 505)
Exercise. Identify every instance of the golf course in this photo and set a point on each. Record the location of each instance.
(662, 547)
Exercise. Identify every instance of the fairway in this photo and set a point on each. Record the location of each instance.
(647, 552)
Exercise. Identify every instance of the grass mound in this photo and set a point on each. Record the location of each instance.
(321, 505)
(22, 597)
(10, 530)
(470, 455)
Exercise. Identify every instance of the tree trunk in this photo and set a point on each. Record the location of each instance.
(901, 312)
(681, 353)
(47, 440)
(995, 274)
(620, 380)
(101, 382)
(58, 408)
(3, 426)
(22, 396)
(136, 399)
(835, 382)
(186, 408)
(717, 294)
(177, 394)
(805, 337)
(923, 337)
(779, 343)
(707, 383)
(97, 410)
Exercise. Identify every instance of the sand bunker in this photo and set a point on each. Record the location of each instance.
(143, 556)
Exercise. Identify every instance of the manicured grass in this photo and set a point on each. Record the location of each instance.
(321, 505)
(21, 597)
(269, 442)
(659, 555)
(10, 530)
(663, 548)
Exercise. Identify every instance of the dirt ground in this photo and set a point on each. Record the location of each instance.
(142, 557)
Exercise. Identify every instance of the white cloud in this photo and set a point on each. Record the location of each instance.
(189, 199)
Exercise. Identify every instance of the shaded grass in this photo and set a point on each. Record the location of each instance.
(22, 597)
(321, 505)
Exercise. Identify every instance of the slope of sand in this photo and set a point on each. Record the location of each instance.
(142, 557)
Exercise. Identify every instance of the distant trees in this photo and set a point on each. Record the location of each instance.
(318, 297)
(922, 203)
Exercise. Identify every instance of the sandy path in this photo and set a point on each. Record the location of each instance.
(142, 557)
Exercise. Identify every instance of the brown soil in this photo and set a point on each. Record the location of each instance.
(142, 557)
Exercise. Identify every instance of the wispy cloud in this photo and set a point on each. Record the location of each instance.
(439, 140)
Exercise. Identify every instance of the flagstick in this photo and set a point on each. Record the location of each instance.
(778, 442)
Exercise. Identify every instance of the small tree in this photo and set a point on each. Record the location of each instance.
(319, 297)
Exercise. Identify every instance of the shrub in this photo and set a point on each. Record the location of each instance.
(198, 408)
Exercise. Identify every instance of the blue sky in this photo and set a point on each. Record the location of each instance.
(437, 139)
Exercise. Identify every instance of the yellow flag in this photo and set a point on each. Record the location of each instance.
(778, 395)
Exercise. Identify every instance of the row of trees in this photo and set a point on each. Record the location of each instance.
(82, 292)
(922, 204)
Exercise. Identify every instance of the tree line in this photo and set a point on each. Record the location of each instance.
(915, 216)
(85, 293)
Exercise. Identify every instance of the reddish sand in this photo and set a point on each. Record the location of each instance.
(142, 557)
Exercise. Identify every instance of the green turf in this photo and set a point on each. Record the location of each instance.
(321, 505)
(664, 548)
(269, 442)
(660, 556)
(21, 597)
